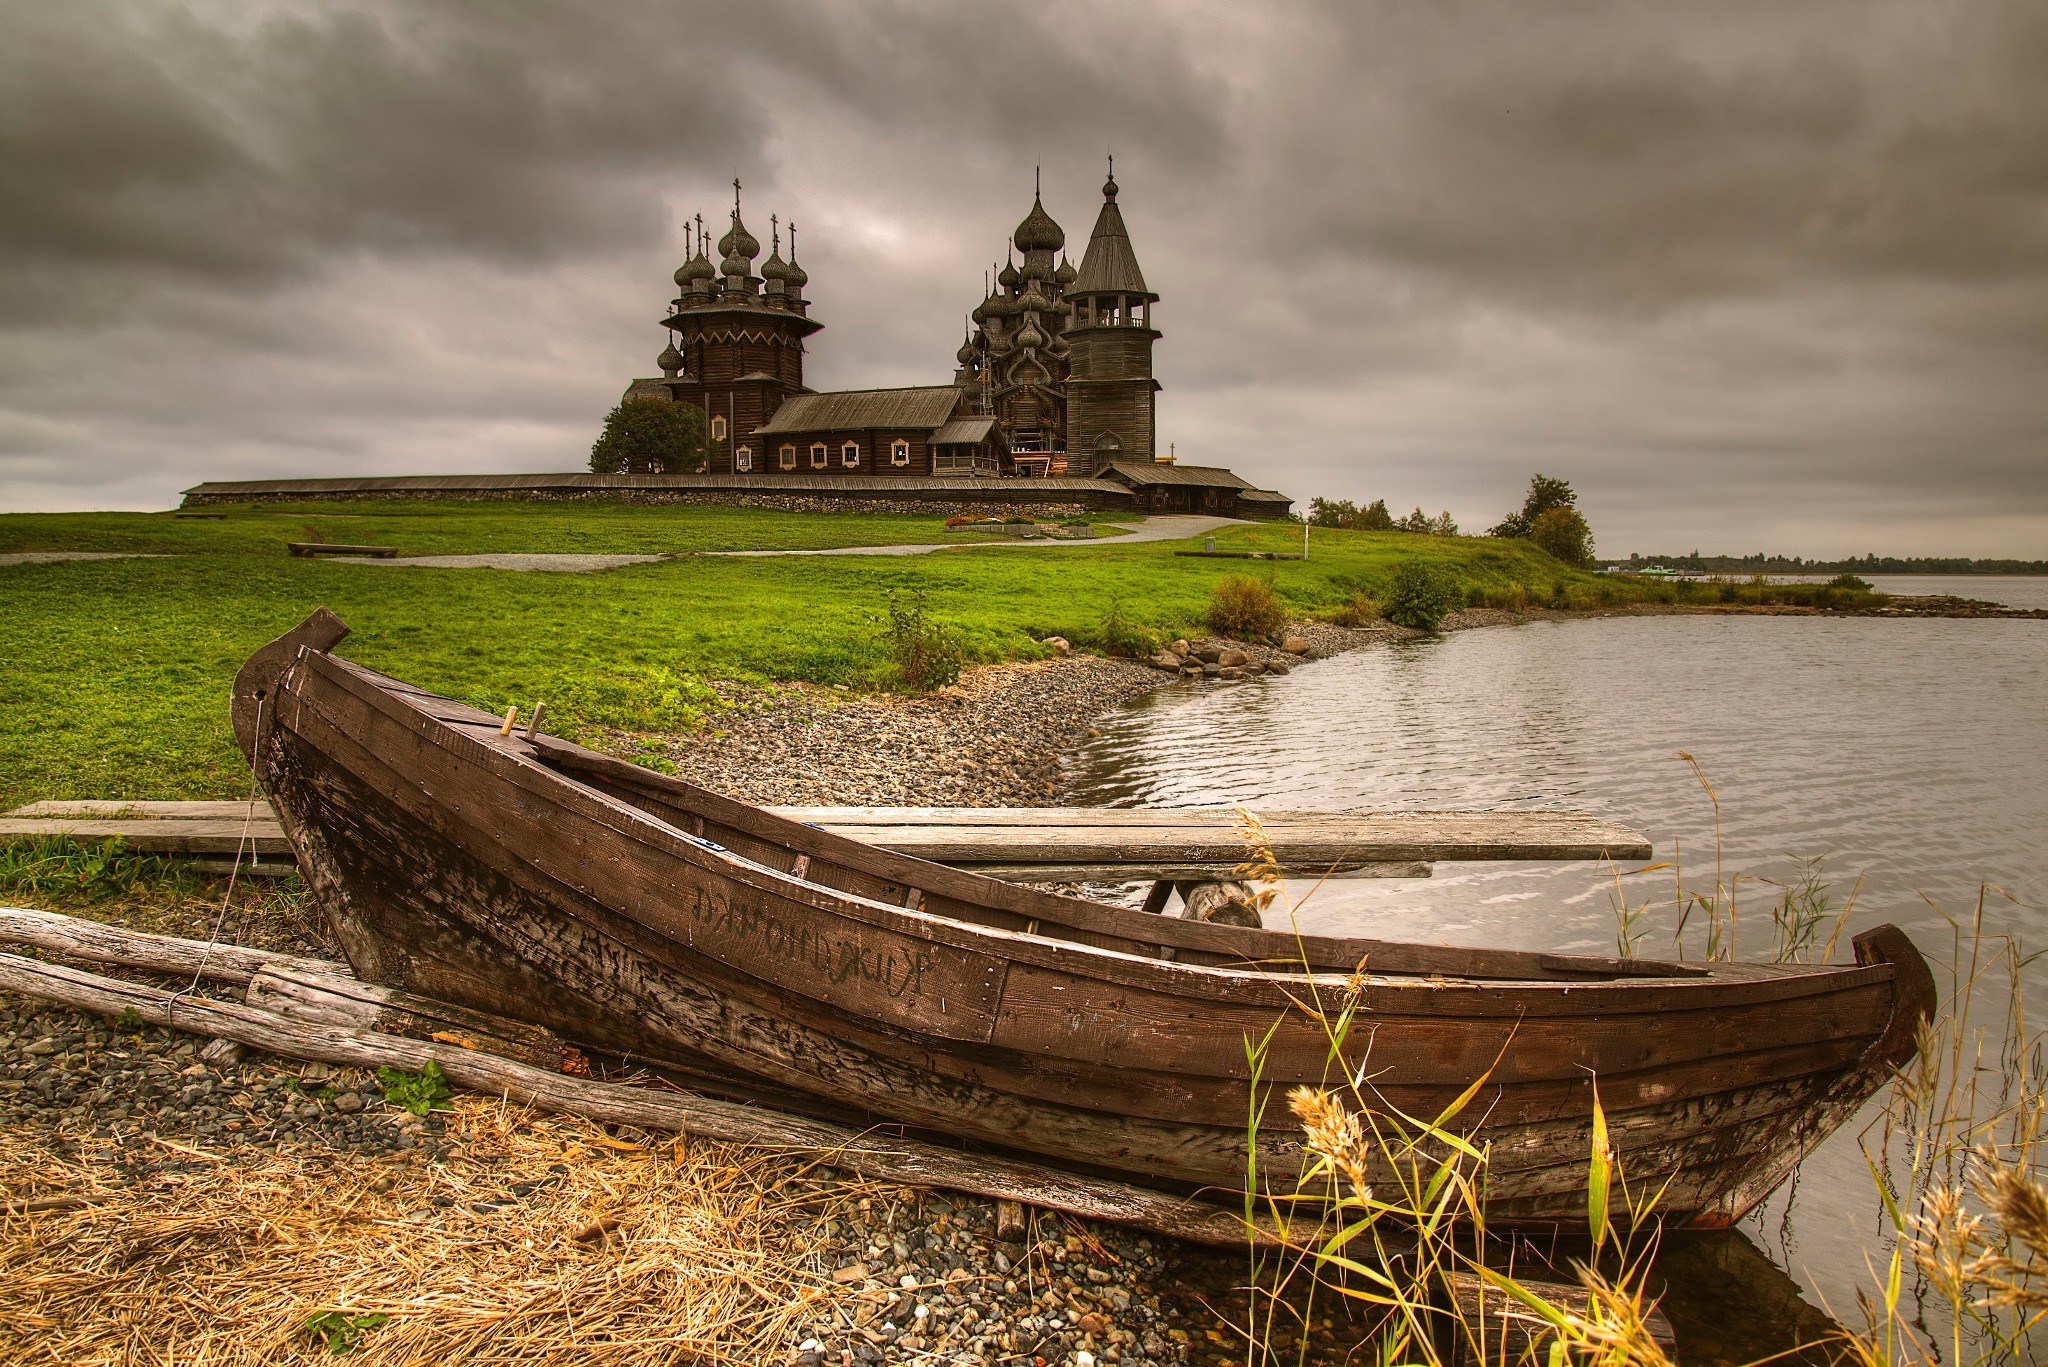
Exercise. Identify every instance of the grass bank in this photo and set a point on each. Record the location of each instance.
(114, 674)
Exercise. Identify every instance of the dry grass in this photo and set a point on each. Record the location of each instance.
(678, 1253)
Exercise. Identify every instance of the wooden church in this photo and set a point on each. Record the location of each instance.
(1053, 382)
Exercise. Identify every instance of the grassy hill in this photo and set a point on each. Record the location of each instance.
(114, 674)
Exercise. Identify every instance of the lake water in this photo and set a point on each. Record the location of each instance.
(1909, 757)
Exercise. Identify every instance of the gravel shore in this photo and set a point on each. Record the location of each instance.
(992, 740)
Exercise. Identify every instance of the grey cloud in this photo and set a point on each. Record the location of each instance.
(1736, 269)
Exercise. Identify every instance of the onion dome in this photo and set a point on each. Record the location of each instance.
(1109, 185)
(695, 269)
(1002, 306)
(966, 354)
(1030, 336)
(738, 241)
(670, 359)
(1034, 300)
(1008, 278)
(774, 268)
(1038, 233)
(1064, 276)
(1058, 345)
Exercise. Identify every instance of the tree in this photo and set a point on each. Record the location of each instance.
(1562, 533)
(647, 435)
(1545, 494)
(1341, 512)
(1332, 512)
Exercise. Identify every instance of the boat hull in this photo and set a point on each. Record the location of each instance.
(643, 917)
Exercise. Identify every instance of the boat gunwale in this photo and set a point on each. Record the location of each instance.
(518, 765)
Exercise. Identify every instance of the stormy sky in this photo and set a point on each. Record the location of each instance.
(1750, 275)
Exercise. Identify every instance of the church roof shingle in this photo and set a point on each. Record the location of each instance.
(860, 410)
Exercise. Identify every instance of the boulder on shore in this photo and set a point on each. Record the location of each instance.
(1296, 645)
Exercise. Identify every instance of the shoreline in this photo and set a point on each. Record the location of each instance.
(997, 737)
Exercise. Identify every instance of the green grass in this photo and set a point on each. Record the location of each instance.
(114, 674)
(450, 527)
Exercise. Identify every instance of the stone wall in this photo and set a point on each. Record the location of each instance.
(953, 505)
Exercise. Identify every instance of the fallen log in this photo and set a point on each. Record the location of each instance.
(881, 1158)
(313, 996)
(82, 939)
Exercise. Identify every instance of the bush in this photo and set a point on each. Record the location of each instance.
(1119, 635)
(1246, 608)
(1850, 581)
(1563, 534)
(1360, 610)
(645, 435)
(927, 653)
(1421, 596)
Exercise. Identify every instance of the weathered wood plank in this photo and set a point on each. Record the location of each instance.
(160, 837)
(117, 809)
(80, 938)
(1139, 872)
(1309, 843)
(305, 548)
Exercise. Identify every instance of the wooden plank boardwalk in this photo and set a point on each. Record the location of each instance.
(1022, 844)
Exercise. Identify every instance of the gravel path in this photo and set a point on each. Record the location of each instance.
(1168, 528)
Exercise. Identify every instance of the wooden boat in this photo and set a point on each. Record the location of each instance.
(643, 916)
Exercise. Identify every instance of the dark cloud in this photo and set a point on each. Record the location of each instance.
(1747, 272)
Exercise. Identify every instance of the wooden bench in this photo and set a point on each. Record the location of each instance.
(327, 548)
(1018, 844)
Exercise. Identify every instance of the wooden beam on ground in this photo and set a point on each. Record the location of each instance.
(1019, 844)
(78, 938)
(303, 548)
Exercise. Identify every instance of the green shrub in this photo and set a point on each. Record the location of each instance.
(426, 1090)
(1850, 581)
(927, 653)
(1360, 610)
(1421, 596)
(1246, 608)
(646, 435)
(1119, 635)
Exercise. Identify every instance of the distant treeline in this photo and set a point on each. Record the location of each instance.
(1868, 564)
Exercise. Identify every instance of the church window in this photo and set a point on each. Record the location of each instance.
(718, 427)
(899, 452)
(817, 455)
(788, 457)
(849, 455)
(743, 459)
